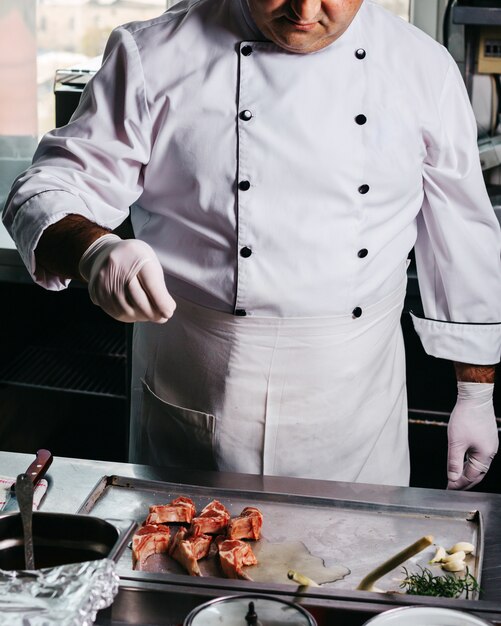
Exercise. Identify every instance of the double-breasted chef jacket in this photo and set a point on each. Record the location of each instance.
(280, 185)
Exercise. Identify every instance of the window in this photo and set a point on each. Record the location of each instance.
(37, 37)
(74, 36)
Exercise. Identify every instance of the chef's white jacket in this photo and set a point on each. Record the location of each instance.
(278, 184)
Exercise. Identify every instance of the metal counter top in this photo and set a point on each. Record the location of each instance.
(12, 269)
(71, 480)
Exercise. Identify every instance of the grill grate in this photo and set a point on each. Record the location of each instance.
(87, 338)
(90, 359)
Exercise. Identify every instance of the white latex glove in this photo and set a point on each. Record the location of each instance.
(126, 280)
(473, 435)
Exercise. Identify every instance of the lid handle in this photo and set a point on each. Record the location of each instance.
(251, 617)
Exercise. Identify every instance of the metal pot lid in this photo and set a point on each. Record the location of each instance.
(249, 610)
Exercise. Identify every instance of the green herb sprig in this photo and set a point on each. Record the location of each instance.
(425, 583)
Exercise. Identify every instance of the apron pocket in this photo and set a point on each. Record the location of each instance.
(175, 436)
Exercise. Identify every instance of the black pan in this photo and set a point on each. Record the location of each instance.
(59, 539)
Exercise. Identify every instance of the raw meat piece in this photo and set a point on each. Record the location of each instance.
(233, 555)
(213, 519)
(149, 539)
(247, 525)
(187, 547)
(180, 510)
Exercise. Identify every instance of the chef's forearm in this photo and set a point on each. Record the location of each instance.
(62, 244)
(469, 373)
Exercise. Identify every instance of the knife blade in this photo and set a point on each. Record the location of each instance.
(35, 471)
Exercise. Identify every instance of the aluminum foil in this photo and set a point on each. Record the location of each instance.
(67, 595)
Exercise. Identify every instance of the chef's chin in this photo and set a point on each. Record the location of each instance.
(301, 41)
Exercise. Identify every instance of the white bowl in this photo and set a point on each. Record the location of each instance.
(425, 616)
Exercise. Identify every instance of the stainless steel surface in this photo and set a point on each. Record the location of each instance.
(12, 268)
(24, 493)
(148, 601)
(356, 535)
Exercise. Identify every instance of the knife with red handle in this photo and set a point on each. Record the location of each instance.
(35, 471)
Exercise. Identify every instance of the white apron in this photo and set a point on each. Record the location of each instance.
(320, 398)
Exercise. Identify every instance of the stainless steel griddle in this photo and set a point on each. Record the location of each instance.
(351, 538)
(395, 514)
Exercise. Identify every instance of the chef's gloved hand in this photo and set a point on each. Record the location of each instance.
(473, 434)
(126, 280)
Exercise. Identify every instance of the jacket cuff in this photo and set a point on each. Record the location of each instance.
(478, 344)
(33, 217)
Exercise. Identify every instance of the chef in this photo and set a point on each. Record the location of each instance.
(279, 159)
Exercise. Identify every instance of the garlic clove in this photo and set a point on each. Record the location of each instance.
(454, 565)
(456, 556)
(440, 555)
(463, 546)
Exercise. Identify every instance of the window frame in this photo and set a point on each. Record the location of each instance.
(428, 15)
